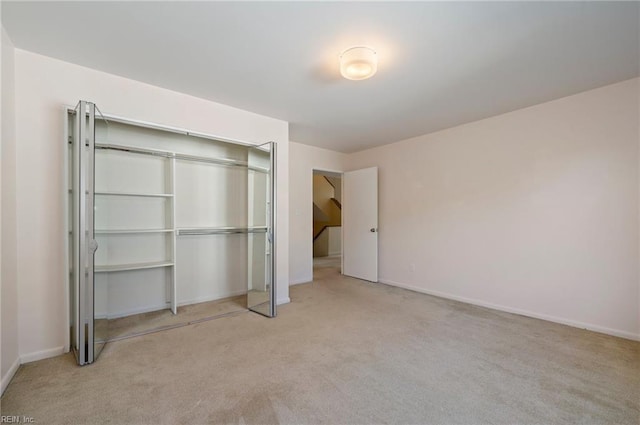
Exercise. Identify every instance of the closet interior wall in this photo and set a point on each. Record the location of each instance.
(190, 194)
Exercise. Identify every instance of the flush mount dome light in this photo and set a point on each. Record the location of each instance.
(358, 63)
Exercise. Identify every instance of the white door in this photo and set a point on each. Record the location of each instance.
(360, 224)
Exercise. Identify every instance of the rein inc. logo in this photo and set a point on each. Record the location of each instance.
(16, 419)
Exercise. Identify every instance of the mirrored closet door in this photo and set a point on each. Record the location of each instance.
(170, 228)
(82, 244)
(261, 296)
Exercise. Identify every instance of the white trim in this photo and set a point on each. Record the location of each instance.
(10, 374)
(286, 300)
(39, 355)
(327, 171)
(141, 310)
(569, 322)
(306, 279)
(217, 297)
(65, 225)
(167, 305)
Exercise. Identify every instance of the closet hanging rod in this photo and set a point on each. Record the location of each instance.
(181, 156)
(220, 231)
(134, 149)
(220, 161)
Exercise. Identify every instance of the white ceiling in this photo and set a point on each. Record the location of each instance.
(440, 64)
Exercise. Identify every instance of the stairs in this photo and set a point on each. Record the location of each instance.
(327, 213)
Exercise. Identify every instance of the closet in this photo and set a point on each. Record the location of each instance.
(162, 218)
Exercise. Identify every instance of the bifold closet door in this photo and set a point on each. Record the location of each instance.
(261, 253)
(84, 330)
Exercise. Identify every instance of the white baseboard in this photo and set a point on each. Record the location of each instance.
(305, 279)
(555, 319)
(167, 305)
(126, 313)
(281, 301)
(9, 375)
(211, 298)
(39, 355)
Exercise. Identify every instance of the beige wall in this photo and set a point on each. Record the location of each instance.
(43, 86)
(8, 278)
(534, 211)
(323, 192)
(335, 241)
(304, 159)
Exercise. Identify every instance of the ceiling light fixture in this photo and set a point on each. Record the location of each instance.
(358, 63)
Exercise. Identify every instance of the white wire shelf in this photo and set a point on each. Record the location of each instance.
(129, 231)
(138, 194)
(133, 266)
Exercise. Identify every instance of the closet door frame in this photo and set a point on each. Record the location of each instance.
(80, 308)
(272, 226)
(84, 245)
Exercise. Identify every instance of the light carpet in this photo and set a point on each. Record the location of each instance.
(345, 352)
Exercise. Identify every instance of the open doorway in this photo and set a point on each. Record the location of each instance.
(327, 224)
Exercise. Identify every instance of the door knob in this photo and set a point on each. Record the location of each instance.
(373, 230)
